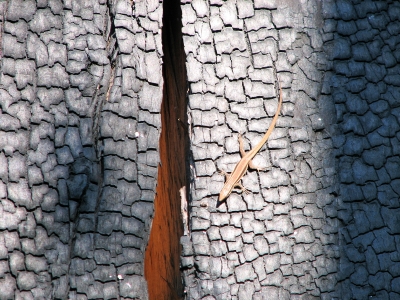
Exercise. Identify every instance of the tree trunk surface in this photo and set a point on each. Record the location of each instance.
(117, 116)
(81, 91)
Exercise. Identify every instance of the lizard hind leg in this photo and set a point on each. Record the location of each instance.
(254, 167)
(243, 153)
(241, 145)
(220, 172)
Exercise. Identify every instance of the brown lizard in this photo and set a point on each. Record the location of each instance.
(246, 161)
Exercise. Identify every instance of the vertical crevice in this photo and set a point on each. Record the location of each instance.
(162, 258)
(3, 11)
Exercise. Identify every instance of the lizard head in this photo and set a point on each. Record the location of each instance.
(224, 193)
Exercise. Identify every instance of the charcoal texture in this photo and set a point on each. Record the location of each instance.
(320, 220)
(81, 85)
(78, 159)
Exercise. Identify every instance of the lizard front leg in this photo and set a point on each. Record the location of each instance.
(244, 190)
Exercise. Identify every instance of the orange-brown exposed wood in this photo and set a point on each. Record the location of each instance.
(162, 256)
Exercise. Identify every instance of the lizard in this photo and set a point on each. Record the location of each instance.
(246, 160)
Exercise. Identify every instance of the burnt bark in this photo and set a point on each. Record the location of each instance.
(80, 95)
(81, 85)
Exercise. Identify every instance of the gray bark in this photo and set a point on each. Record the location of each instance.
(321, 222)
(366, 93)
(80, 95)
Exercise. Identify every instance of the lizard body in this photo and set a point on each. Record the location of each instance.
(246, 160)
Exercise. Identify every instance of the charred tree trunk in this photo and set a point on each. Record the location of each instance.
(81, 90)
(84, 171)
